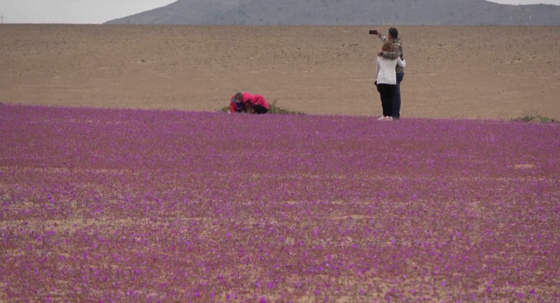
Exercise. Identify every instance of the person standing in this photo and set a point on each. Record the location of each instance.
(397, 52)
(387, 80)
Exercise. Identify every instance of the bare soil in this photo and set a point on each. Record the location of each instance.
(490, 72)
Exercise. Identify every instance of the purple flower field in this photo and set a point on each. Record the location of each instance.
(100, 205)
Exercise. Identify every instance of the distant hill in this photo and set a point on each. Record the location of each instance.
(346, 12)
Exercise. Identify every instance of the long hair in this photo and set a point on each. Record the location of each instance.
(387, 46)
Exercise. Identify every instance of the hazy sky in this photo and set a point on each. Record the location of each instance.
(99, 11)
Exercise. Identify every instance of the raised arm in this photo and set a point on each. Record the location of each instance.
(389, 55)
(383, 38)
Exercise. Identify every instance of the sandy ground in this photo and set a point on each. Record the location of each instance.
(452, 72)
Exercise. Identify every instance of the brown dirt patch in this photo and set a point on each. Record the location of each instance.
(453, 72)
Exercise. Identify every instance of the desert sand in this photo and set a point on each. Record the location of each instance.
(488, 72)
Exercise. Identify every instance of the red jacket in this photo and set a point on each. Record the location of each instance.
(256, 100)
(235, 107)
(247, 98)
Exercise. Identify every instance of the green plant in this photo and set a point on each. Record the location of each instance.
(528, 117)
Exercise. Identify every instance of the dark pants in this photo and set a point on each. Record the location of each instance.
(259, 109)
(397, 101)
(387, 92)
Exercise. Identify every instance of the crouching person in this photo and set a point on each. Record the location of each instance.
(256, 104)
(236, 104)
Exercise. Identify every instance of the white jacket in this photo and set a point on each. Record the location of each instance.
(386, 73)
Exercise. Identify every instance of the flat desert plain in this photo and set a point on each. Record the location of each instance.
(488, 72)
(129, 205)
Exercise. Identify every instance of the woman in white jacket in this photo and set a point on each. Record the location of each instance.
(387, 80)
